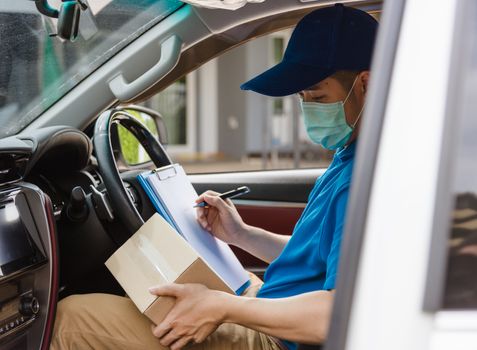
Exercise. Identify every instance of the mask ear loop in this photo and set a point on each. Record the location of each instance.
(350, 90)
(359, 116)
(346, 99)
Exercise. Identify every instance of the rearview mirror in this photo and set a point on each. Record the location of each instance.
(131, 150)
(68, 16)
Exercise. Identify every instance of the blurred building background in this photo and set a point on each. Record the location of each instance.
(214, 126)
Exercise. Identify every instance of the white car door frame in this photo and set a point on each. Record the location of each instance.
(373, 118)
(383, 303)
(388, 303)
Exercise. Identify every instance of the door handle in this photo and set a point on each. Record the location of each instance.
(170, 53)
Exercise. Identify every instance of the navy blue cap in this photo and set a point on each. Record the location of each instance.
(324, 41)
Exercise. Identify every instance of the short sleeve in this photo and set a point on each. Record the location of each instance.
(332, 260)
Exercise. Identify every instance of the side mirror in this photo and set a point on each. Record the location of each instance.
(131, 151)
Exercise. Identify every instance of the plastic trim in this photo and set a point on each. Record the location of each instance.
(53, 300)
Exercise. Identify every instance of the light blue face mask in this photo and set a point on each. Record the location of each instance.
(326, 122)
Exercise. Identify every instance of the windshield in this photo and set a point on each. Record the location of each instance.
(37, 69)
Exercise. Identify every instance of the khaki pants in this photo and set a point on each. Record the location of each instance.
(103, 321)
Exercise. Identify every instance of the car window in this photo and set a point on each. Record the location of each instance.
(460, 284)
(213, 126)
(37, 69)
(132, 151)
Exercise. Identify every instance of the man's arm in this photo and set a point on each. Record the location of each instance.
(303, 318)
(261, 243)
(198, 311)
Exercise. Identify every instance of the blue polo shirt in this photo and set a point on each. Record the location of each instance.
(309, 262)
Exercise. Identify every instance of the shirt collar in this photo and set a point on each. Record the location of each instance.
(346, 152)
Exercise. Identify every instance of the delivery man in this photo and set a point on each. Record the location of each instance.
(327, 63)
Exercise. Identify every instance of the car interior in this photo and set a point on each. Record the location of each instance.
(68, 198)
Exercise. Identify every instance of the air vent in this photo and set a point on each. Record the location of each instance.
(12, 167)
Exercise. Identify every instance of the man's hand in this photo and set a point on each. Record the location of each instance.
(196, 314)
(221, 218)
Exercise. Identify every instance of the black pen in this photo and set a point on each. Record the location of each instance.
(229, 194)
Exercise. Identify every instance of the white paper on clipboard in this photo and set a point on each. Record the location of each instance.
(178, 196)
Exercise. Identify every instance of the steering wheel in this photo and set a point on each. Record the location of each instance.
(121, 203)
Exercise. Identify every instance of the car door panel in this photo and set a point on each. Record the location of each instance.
(272, 216)
(273, 185)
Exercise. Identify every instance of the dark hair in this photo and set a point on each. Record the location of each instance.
(345, 78)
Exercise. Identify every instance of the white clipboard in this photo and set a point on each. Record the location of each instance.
(177, 195)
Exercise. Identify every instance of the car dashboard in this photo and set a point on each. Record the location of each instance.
(50, 197)
(28, 267)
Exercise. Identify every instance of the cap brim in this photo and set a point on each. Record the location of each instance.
(286, 78)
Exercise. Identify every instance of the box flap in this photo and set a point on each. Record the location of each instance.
(154, 255)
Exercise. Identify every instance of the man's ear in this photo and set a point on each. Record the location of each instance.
(363, 78)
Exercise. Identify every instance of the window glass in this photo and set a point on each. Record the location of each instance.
(172, 105)
(461, 282)
(278, 50)
(132, 151)
(37, 68)
(213, 126)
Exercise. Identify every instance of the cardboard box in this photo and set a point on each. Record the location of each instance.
(156, 254)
